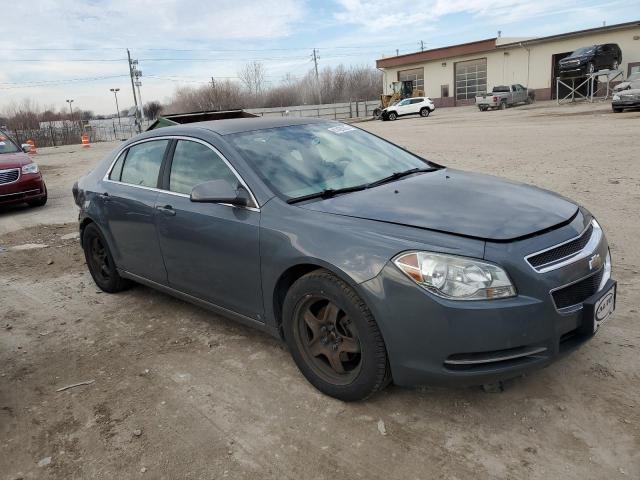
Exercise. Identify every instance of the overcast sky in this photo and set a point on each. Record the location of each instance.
(52, 50)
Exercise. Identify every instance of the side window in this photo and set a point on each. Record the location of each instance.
(195, 163)
(142, 163)
(116, 171)
(417, 100)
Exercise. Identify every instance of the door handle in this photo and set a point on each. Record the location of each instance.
(104, 196)
(166, 209)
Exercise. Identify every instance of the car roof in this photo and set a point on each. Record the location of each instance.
(238, 125)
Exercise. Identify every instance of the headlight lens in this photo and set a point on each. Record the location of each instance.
(616, 97)
(453, 277)
(30, 168)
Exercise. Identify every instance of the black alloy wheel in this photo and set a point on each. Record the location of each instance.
(333, 337)
(100, 261)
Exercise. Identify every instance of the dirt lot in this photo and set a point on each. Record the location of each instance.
(180, 393)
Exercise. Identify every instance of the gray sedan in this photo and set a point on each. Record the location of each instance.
(373, 264)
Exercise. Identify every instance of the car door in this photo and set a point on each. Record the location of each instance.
(211, 251)
(416, 105)
(129, 203)
(403, 106)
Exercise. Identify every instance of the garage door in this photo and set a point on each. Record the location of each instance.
(471, 79)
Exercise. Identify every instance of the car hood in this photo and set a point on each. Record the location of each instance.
(457, 202)
(629, 91)
(13, 160)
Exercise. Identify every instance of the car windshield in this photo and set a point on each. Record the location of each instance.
(302, 160)
(6, 145)
(582, 51)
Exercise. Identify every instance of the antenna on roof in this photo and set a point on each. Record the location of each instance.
(499, 33)
(604, 23)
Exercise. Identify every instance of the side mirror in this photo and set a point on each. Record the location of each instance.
(26, 148)
(220, 191)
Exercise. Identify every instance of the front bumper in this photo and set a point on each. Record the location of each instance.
(29, 187)
(573, 70)
(431, 340)
(635, 103)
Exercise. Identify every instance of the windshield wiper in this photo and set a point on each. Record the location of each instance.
(396, 175)
(332, 192)
(327, 193)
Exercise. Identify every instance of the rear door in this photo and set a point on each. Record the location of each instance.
(129, 204)
(211, 251)
(416, 105)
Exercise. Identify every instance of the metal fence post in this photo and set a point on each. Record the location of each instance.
(350, 110)
(357, 109)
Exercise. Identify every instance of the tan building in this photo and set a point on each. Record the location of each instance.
(453, 75)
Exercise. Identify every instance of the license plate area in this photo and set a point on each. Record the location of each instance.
(598, 308)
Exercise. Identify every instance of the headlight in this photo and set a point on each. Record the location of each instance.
(454, 277)
(30, 168)
(616, 97)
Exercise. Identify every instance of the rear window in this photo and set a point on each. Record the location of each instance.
(501, 89)
(142, 163)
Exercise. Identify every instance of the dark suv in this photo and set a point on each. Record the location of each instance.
(588, 60)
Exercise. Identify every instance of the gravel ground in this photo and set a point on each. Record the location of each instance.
(180, 393)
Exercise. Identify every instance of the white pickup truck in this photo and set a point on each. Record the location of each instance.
(503, 96)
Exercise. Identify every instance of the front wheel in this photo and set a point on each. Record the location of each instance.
(333, 337)
(100, 261)
(616, 110)
(424, 112)
(392, 116)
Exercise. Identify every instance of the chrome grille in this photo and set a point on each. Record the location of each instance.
(9, 176)
(568, 252)
(561, 251)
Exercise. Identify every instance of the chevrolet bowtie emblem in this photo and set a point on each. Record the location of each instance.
(595, 262)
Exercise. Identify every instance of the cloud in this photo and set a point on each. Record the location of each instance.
(389, 14)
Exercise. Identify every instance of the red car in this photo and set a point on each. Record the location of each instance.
(20, 178)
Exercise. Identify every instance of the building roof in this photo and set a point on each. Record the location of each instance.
(488, 45)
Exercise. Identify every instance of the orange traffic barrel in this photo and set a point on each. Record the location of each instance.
(33, 150)
(85, 141)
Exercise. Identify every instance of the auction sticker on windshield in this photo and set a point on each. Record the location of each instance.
(341, 129)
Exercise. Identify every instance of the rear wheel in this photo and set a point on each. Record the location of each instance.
(334, 338)
(616, 65)
(100, 261)
(392, 116)
(591, 67)
(503, 105)
(424, 112)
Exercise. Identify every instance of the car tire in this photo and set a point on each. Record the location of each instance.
(617, 110)
(591, 68)
(100, 261)
(424, 112)
(392, 116)
(503, 105)
(333, 337)
(616, 65)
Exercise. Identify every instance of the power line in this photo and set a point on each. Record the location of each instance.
(48, 83)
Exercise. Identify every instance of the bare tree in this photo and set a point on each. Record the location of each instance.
(152, 110)
(252, 77)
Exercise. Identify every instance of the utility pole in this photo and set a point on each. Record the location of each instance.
(138, 73)
(115, 94)
(133, 89)
(397, 52)
(315, 62)
(213, 83)
(421, 46)
(70, 101)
